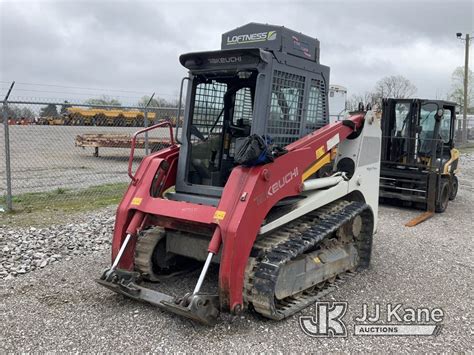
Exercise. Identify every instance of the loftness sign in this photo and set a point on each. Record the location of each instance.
(252, 37)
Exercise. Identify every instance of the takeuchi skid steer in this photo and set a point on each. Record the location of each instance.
(284, 230)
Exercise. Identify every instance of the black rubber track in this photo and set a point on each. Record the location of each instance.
(272, 251)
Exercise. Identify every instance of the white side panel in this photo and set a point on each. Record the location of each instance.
(365, 152)
(313, 201)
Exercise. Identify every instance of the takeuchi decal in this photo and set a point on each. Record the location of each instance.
(282, 182)
(224, 60)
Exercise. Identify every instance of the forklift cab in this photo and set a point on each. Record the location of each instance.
(417, 132)
(419, 162)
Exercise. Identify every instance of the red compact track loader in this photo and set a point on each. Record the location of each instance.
(284, 227)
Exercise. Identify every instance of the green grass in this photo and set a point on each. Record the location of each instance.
(43, 208)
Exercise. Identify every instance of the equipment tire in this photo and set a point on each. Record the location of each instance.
(150, 254)
(443, 197)
(454, 187)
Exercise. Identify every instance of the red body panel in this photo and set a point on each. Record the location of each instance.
(140, 188)
(248, 196)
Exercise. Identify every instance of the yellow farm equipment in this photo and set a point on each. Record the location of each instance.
(51, 121)
(77, 116)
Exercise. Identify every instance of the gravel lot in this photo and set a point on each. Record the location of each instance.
(59, 307)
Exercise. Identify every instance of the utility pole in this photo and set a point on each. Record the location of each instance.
(466, 78)
(8, 170)
(146, 123)
(466, 86)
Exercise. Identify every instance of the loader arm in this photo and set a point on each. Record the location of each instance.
(247, 198)
(158, 168)
(250, 193)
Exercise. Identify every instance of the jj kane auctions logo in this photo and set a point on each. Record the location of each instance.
(395, 320)
(252, 37)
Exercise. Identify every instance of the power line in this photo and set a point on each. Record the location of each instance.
(78, 87)
(75, 93)
(86, 88)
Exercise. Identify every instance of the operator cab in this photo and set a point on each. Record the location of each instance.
(221, 117)
(419, 161)
(435, 130)
(421, 133)
(265, 80)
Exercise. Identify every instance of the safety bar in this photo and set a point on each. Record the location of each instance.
(178, 115)
(134, 142)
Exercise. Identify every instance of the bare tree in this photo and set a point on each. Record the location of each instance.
(157, 102)
(395, 86)
(15, 112)
(457, 87)
(64, 107)
(352, 103)
(49, 111)
(103, 101)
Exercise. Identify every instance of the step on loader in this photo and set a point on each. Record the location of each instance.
(283, 228)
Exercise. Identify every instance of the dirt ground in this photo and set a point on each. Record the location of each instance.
(61, 308)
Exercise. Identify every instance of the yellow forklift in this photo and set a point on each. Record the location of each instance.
(419, 162)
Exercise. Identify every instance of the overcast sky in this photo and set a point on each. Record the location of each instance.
(134, 45)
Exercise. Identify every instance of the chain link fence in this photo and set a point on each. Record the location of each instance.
(67, 151)
(458, 136)
(64, 152)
